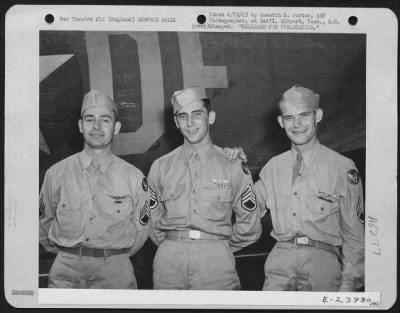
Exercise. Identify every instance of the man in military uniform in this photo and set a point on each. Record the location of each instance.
(94, 209)
(315, 199)
(194, 192)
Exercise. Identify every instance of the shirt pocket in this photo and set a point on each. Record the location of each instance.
(321, 206)
(116, 207)
(216, 203)
(324, 213)
(69, 215)
(176, 206)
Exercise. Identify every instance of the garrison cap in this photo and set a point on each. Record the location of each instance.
(298, 94)
(95, 98)
(186, 96)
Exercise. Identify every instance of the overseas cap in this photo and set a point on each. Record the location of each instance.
(97, 99)
(183, 97)
(300, 95)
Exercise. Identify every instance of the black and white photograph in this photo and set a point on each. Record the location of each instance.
(221, 154)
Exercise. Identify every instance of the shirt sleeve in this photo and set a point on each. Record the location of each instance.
(352, 227)
(141, 206)
(48, 202)
(260, 189)
(157, 210)
(247, 227)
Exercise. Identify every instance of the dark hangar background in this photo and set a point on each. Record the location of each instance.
(245, 75)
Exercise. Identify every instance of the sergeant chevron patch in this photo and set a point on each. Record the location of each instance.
(360, 211)
(248, 199)
(153, 199)
(144, 214)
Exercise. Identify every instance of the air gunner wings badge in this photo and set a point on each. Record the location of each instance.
(117, 199)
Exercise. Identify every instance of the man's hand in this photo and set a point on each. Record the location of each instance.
(234, 153)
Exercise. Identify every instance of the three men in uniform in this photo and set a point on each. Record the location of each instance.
(95, 208)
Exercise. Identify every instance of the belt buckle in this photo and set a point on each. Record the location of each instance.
(194, 234)
(302, 240)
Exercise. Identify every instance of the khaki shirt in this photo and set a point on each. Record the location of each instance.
(109, 211)
(201, 190)
(325, 203)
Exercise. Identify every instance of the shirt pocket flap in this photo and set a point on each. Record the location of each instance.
(322, 205)
(172, 192)
(116, 205)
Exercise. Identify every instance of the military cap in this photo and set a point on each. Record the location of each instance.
(95, 98)
(186, 96)
(298, 94)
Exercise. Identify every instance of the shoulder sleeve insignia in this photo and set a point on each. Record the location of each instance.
(153, 199)
(360, 211)
(353, 177)
(41, 207)
(248, 199)
(144, 214)
(145, 185)
(245, 168)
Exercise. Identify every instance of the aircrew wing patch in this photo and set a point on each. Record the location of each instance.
(353, 177)
(144, 214)
(248, 199)
(41, 207)
(153, 199)
(145, 185)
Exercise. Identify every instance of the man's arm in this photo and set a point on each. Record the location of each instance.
(259, 186)
(142, 210)
(247, 228)
(352, 228)
(157, 210)
(46, 213)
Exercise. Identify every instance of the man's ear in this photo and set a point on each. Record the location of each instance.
(176, 122)
(80, 126)
(211, 117)
(117, 127)
(319, 113)
(280, 121)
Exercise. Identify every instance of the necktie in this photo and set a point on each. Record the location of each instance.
(93, 174)
(94, 167)
(297, 166)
